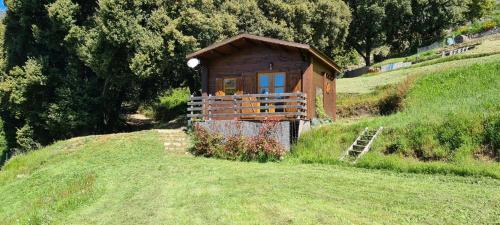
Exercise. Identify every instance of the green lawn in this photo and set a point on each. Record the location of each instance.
(131, 179)
(369, 83)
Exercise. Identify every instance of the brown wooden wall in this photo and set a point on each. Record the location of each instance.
(250, 61)
(324, 78)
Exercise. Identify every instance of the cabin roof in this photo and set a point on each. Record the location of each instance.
(235, 44)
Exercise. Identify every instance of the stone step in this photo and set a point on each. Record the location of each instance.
(171, 131)
(176, 149)
(177, 141)
(175, 144)
(178, 136)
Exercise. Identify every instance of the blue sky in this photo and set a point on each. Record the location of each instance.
(2, 6)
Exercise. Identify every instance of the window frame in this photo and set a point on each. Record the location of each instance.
(225, 88)
(271, 85)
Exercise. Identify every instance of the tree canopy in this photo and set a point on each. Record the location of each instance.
(69, 67)
(403, 24)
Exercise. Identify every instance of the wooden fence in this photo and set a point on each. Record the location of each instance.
(286, 106)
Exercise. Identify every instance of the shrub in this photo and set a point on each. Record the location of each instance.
(463, 30)
(205, 143)
(491, 139)
(488, 25)
(3, 145)
(320, 109)
(393, 102)
(235, 147)
(262, 147)
(459, 131)
(171, 104)
(421, 140)
(477, 27)
(24, 137)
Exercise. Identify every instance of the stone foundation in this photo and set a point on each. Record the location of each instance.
(285, 131)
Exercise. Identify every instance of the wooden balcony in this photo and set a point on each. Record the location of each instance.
(286, 106)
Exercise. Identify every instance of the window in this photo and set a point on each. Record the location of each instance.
(230, 86)
(272, 83)
(279, 83)
(264, 81)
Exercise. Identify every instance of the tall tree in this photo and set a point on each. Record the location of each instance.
(402, 24)
(367, 30)
(431, 17)
(397, 25)
(479, 8)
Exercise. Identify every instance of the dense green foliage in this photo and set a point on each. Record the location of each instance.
(479, 8)
(132, 179)
(171, 104)
(407, 24)
(367, 28)
(70, 66)
(3, 145)
(490, 18)
(448, 124)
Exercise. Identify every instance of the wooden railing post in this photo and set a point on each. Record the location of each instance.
(235, 107)
(204, 108)
(267, 104)
(209, 107)
(304, 96)
(192, 111)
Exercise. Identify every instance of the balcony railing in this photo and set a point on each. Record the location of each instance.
(285, 106)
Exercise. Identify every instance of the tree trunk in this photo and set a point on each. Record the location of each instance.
(368, 51)
(367, 59)
(111, 106)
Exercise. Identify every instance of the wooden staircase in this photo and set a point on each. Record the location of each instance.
(361, 145)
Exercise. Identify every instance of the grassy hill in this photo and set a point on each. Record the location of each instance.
(448, 121)
(132, 179)
(442, 120)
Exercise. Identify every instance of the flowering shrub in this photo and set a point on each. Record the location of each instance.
(262, 147)
(205, 143)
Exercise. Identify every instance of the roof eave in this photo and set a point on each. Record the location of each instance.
(324, 58)
(313, 51)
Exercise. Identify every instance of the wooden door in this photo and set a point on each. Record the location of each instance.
(294, 85)
(249, 87)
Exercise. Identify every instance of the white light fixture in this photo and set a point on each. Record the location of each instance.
(194, 62)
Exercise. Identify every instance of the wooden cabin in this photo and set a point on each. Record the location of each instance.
(249, 77)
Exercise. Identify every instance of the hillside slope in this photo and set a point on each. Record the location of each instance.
(132, 179)
(370, 82)
(448, 122)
